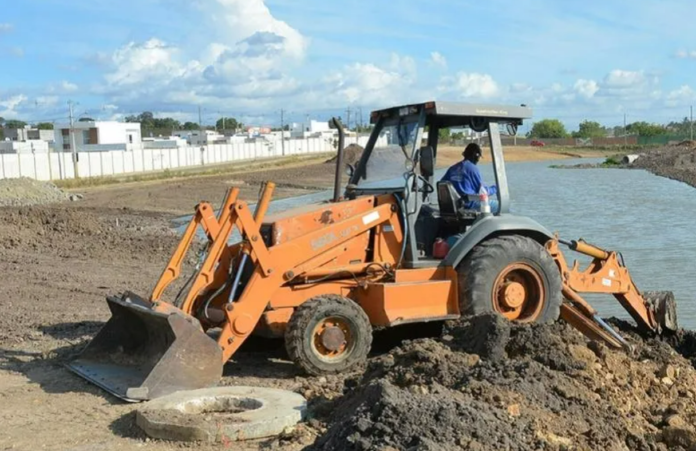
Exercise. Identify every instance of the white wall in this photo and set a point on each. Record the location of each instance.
(59, 165)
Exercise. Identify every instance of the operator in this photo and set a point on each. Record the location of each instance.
(466, 178)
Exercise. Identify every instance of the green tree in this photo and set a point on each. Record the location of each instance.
(444, 134)
(44, 126)
(166, 123)
(190, 126)
(643, 128)
(2, 121)
(230, 123)
(13, 123)
(548, 128)
(590, 129)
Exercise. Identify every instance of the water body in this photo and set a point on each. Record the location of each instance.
(649, 219)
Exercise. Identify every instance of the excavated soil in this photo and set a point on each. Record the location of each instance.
(485, 384)
(26, 191)
(676, 162)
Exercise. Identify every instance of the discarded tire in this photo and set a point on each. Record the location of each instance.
(513, 276)
(221, 414)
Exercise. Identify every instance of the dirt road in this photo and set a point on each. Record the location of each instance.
(59, 261)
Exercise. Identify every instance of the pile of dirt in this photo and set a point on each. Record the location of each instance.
(676, 162)
(26, 191)
(488, 384)
(79, 233)
(351, 155)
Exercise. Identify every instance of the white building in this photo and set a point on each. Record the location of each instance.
(164, 143)
(24, 147)
(99, 136)
(28, 134)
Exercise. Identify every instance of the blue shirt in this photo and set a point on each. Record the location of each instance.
(466, 179)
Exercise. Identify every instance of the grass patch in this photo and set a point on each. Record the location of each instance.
(202, 171)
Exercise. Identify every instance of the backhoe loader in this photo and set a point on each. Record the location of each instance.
(325, 275)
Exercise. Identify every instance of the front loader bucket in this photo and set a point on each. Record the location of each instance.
(142, 354)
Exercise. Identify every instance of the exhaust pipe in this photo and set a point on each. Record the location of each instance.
(339, 159)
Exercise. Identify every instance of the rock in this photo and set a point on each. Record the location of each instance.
(75, 197)
(675, 436)
(667, 381)
(674, 420)
(514, 410)
(583, 354)
(667, 371)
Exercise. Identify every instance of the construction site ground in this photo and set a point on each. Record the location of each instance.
(466, 388)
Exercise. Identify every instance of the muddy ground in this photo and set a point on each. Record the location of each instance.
(59, 261)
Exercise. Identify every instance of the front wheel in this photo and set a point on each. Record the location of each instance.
(328, 334)
(513, 276)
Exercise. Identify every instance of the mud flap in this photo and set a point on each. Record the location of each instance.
(142, 354)
(665, 308)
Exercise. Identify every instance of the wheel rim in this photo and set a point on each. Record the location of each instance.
(332, 339)
(518, 293)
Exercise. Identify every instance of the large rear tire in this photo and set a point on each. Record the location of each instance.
(328, 334)
(513, 276)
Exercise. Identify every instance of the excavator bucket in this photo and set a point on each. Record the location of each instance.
(142, 354)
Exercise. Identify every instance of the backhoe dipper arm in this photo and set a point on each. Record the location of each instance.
(604, 275)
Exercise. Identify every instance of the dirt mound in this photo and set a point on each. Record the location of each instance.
(351, 155)
(26, 191)
(487, 384)
(78, 233)
(676, 162)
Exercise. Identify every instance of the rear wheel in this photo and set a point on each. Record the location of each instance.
(513, 276)
(328, 334)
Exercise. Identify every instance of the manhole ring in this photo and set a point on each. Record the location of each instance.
(221, 414)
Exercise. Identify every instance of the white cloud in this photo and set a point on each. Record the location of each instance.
(681, 96)
(586, 88)
(152, 61)
(66, 86)
(624, 78)
(250, 59)
(6, 28)
(8, 106)
(473, 85)
(437, 59)
(381, 85)
(683, 54)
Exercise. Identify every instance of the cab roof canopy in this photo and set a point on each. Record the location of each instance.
(454, 114)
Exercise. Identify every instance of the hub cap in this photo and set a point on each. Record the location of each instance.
(518, 293)
(332, 338)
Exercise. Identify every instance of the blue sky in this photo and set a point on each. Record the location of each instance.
(252, 58)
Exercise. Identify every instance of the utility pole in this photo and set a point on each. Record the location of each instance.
(282, 130)
(73, 146)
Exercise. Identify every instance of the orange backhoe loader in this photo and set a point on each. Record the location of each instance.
(324, 275)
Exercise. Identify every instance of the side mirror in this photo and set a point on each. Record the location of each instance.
(427, 161)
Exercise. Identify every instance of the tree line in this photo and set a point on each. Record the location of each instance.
(553, 128)
(149, 122)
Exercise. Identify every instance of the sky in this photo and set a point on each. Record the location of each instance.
(252, 59)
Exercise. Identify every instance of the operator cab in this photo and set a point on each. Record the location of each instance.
(399, 159)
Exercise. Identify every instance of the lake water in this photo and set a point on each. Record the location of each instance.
(649, 219)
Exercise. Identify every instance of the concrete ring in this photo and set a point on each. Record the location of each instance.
(221, 414)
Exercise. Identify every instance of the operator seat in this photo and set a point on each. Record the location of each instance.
(452, 211)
